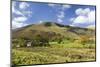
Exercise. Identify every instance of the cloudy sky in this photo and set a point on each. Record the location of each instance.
(25, 13)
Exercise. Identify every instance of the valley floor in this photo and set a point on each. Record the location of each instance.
(48, 55)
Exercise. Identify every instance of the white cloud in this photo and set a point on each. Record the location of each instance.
(81, 19)
(84, 16)
(86, 11)
(40, 21)
(60, 9)
(71, 19)
(21, 12)
(81, 11)
(23, 5)
(20, 19)
(15, 11)
(61, 15)
(24, 14)
(27, 13)
(59, 20)
(66, 7)
(17, 21)
(91, 16)
(51, 5)
(16, 24)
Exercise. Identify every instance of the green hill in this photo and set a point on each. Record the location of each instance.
(54, 28)
(52, 43)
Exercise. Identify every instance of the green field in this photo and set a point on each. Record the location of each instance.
(54, 54)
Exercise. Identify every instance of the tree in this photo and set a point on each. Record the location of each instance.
(41, 40)
(19, 42)
(47, 23)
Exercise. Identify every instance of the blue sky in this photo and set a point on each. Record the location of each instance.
(25, 13)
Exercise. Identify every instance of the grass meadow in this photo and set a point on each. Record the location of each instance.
(57, 53)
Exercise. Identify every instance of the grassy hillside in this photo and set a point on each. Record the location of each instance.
(52, 43)
(66, 31)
